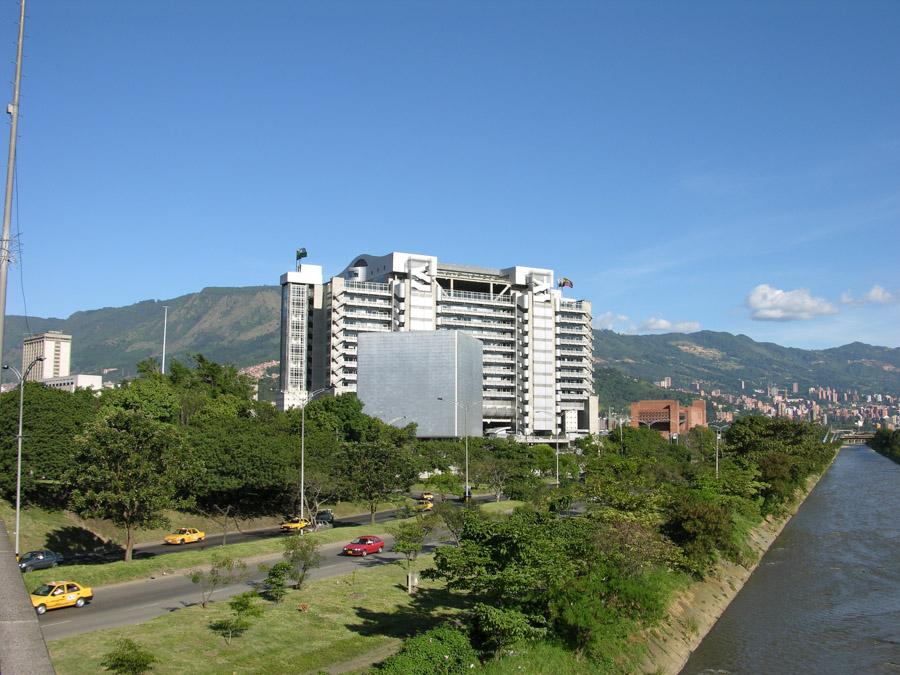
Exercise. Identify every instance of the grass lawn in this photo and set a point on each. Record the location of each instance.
(348, 616)
(500, 508)
(193, 556)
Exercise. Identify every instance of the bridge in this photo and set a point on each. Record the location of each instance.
(848, 437)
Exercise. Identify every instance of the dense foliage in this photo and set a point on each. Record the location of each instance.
(887, 442)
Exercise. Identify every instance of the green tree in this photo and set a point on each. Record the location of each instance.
(301, 553)
(409, 539)
(243, 609)
(128, 657)
(543, 458)
(376, 470)
(127, 468)
(152, 396)
(439, 651)
(223, 572)
(275, 583)
(52, 418)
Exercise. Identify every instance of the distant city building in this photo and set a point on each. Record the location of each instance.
(668, 417)
(73, 382)
(795, 388)
(665, 383)
(432, 378)
(55, 347)
(537, 345)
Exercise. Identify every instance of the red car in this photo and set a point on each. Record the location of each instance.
(364, 546)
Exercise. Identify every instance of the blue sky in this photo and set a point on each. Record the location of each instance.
(727, 166)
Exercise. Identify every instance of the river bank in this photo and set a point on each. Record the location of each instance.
(694, 612)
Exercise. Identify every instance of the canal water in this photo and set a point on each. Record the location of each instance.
(826, 596)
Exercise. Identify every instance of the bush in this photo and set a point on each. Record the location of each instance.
(128, 657)
(702, 528)
(275, 584)
(440, 651)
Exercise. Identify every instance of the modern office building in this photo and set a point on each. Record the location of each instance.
(537, 345)
(55, 347)
(669, 417)
(431, 378)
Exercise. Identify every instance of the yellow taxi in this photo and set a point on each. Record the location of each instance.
(185, 535)
(295, 524)
(56, 594)
(424, 505)
(428, 496)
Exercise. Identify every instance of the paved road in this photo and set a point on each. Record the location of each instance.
(150, 550)
(139, 601)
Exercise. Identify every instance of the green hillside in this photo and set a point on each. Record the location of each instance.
(723, 360)
(240, 326)
(234, 325)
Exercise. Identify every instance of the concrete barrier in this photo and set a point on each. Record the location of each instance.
(22, 647)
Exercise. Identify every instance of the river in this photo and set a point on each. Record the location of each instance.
(826, 596)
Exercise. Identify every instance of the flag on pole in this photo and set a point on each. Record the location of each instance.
(566, 282)
(301, 253)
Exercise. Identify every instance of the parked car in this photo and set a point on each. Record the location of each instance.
(185, 535)
(325, 517)
(364, 546)
(56, 594)
(295, 524)
(39, 560)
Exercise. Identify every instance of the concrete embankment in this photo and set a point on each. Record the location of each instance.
(695, 610)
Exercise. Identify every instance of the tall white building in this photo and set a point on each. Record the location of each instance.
(537, 345)
(55, 347)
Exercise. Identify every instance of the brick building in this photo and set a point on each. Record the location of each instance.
(668, 417)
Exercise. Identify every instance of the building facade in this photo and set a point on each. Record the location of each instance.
(72, 382)
(537, 345)
(55, 347)
(668, 417)
(431, 378)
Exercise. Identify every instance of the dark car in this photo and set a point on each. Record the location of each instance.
(39, 560)
(325, 517)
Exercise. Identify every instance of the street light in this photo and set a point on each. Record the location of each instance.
(303, 447)
(19, 440)
(465, 405)
(719, 429)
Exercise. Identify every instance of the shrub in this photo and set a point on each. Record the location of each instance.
(440, 651)
(128, 657)
(702, 528)
(275, 584)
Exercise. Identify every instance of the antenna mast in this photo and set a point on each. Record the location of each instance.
(13, 110)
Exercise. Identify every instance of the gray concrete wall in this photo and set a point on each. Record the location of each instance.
(22, 647)
(403, 376)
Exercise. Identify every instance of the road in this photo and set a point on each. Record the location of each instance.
(138, 601)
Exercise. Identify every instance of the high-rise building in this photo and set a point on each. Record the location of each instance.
(55, 347)
(537, 345)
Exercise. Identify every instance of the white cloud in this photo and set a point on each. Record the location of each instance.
(656, 324)
(608, 320)
(773, 304)
(876, 295)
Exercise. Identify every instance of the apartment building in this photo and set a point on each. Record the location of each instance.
(55, 347)
(537, 344)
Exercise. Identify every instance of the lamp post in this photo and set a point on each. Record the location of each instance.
(303, 448)
(165, 328)
(719, 428)
(465, 407)
(19, 440)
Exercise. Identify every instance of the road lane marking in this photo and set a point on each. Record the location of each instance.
(56, 623)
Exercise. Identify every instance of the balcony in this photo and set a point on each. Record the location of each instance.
(471, 296)
(369, 287)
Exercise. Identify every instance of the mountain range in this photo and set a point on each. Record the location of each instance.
(240, 326)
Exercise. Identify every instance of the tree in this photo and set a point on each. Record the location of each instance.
(51, 419)
(275, 583)
(151, 396)
(127, 468)
(223, 571)
(495, 472)
(409, 539)
(302, 555)
(452, 517)
(543, 458)
(439, 651)
(243, 608)
(447, 483)
(376, 470)
(128, 657)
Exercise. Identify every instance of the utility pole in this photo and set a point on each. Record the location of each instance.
(165, 327)
(13, 110)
